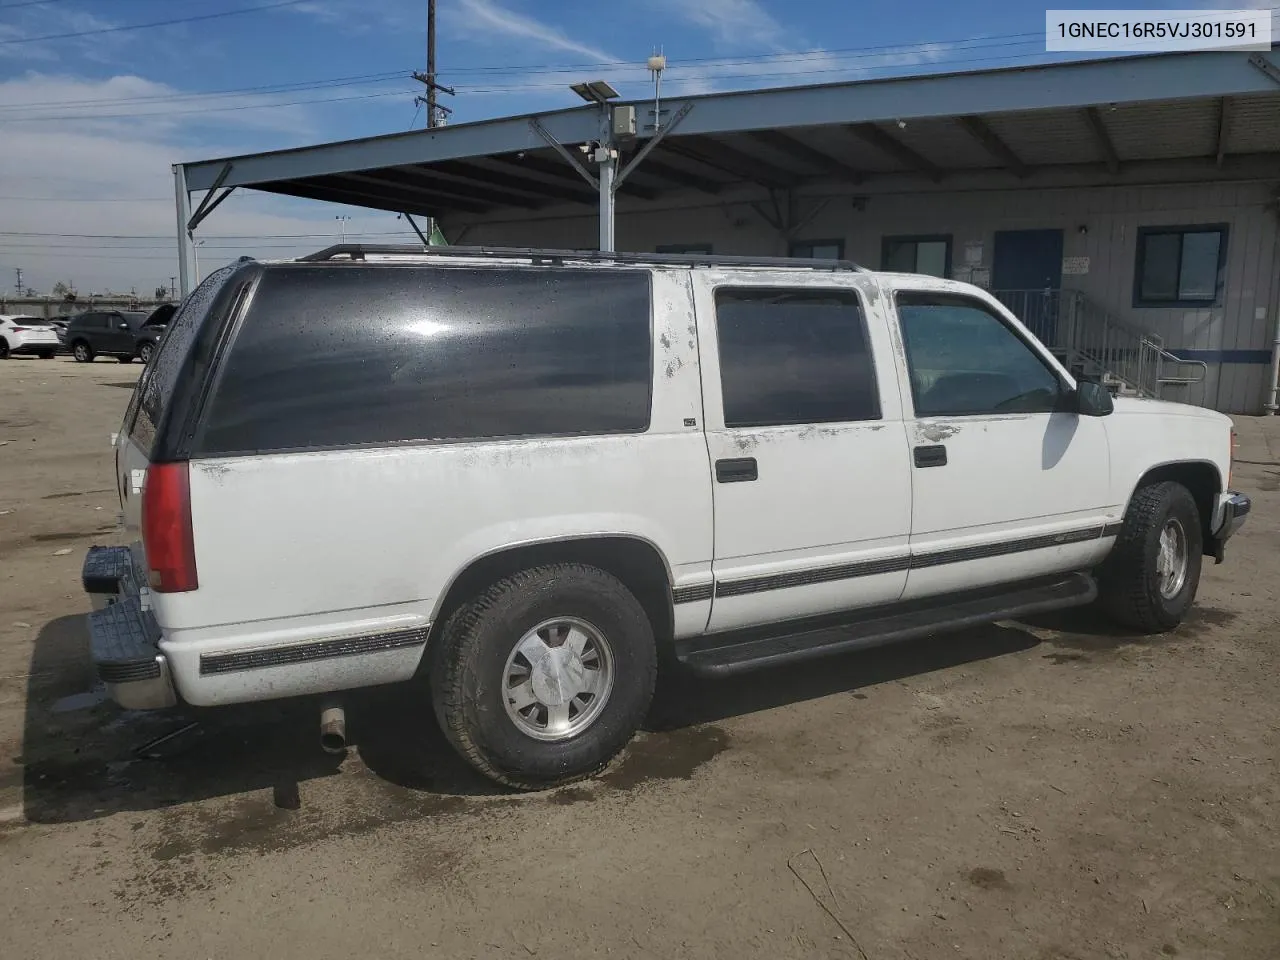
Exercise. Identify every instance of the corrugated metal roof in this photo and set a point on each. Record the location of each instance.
(1254, 124)
(1165, 130)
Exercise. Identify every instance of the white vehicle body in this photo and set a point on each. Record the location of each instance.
(26, 335)
(325, 569)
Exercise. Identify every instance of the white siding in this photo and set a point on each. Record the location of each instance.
(1110, 218)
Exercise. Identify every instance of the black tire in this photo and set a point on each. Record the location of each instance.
(468, 660)
(47, 354)
(82, 352)
(4, 349)
(1129, 581)
(145, 351)
(124, 359)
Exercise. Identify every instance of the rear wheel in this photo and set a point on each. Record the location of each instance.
(544, 677)
(4, 349)
(1149, 581)
(82, 352)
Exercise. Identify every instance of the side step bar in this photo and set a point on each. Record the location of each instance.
(724, 654)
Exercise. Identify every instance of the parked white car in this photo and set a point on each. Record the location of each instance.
(517, 479)
(27, 335)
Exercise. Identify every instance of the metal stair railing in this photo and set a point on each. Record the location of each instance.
(1069, 323)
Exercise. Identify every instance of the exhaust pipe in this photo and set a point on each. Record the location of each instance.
(333, 729)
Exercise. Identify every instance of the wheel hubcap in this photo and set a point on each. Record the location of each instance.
(1171, 560)
(81, 353)
(558, 679)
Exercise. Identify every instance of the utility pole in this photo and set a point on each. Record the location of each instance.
(428, 79)
(18, 270)
(173, 295)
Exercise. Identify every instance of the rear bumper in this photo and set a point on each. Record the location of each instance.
(123, 634)
(24, 346)
(1233, 509)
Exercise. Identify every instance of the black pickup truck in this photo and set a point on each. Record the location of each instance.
(117, 333)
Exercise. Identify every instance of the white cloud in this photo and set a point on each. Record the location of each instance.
(482, 19)
(731, 23)
(112, 177)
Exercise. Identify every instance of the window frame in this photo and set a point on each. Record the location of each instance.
(919, 238)
(863, 326)
(1180, 230)
(963, 299)
(685, 249)
(838, 244)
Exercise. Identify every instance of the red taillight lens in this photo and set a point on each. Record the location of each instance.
(166, 529)
(19, 329)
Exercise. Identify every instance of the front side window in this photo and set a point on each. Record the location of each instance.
(964, 360)
(793, 357)
(1180, 266)
(929, 255)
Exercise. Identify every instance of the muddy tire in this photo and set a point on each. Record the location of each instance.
(544, 677)
(1149, 581)
(82, 352)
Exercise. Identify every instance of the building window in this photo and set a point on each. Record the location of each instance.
(817, 249)
(966, 361)
(691, 248)
(1180, 266)
(791, 356)
(930, 255)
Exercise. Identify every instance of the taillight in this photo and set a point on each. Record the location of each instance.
(1231, 463)
(19, 329)
(166, 529)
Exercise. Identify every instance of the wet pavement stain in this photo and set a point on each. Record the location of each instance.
(985, 878)
(74, 493)
(666, 756)
(69, 535)
(571, 795)
(1090, 631)
(1058, 659)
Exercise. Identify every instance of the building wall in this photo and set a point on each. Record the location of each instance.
(1100, 223)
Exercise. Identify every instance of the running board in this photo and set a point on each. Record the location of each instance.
(723, 654)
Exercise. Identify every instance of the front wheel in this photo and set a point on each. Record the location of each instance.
(144, 352)
(544, 677)
(1149, 581)
(82, 352)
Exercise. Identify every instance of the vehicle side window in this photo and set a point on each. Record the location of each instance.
(790, 356)
(335, 356)
(964, 360)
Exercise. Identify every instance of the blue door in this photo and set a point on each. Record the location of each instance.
(1026, 273)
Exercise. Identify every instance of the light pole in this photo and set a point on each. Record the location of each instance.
(195, 256)
(343, 222)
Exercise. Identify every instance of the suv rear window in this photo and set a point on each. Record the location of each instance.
(160, 379)
(339, 356)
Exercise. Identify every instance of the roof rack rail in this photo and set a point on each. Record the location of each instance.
(358, 251)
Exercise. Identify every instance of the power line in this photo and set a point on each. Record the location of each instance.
(174, 113)
(292, 87)
(156, 23)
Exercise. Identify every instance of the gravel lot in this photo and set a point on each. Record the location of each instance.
(1046, 791)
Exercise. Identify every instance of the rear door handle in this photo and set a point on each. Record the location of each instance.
(932, 456)
(739, 470)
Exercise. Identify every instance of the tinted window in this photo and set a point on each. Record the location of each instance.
(793, 356)
(963, 359)
(1180, 265)
(928, 255)
(161, 377)
(333, 356)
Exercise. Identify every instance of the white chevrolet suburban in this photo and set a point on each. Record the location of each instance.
(518, 478)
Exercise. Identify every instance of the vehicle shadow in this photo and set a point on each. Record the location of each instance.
(80, 756)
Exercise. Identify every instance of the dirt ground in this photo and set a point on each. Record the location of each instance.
(1053, 791)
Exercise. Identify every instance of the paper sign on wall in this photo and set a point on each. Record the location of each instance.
(1075, 266)
(973, 253)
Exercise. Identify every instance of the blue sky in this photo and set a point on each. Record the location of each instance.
(90, 124)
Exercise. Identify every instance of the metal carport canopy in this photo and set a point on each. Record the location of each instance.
(471, 167)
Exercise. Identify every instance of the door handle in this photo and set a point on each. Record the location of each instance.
(932, 456)
(739, 470)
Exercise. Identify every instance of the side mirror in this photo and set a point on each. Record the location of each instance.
(1093, 399)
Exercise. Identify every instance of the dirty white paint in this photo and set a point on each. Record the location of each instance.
(297, 547)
